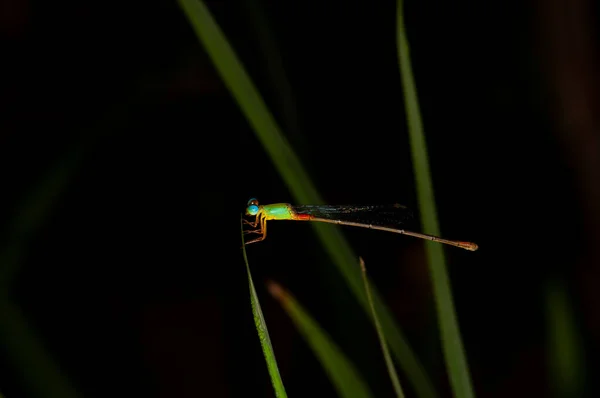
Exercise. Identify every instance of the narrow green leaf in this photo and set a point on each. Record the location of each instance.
(565, 353)
(342, 373)
(263, 332)
(454, 355)
(23, 348)
(27, 353)
(275, 70)
(31, 215)
(384, 347)
(288, 165)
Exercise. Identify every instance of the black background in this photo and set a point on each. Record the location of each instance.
(125, 164)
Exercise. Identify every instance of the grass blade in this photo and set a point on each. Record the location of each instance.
(342, 373)
(263, 332)
(384, 347)
(456, 362)
(41, 374)
(565, 353)
(288, 165)
(23, 347)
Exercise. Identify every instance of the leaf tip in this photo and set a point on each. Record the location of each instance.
(362, 265)
(276, 290)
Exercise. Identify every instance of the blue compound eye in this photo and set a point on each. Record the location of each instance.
(253, 201)
(252, 210)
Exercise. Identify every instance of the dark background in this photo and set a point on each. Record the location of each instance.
(125, 164)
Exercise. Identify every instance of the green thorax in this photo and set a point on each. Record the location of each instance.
(278, 211)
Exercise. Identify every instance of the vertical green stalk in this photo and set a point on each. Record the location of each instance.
(263, 332)
(384, 347)
(452, 346)
(564, 345)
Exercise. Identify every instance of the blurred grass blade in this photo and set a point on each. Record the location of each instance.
(20, 344)
(288, 165)
(565, 354)
(342, 373)
(384, 347)
(275, 70)
(32, 213)
(42, 377)
(247, 96)
(456, 362)
(263, 333)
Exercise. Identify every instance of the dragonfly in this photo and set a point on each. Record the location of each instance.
(386, 218)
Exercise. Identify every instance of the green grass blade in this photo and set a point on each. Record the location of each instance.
(565, 353)
(238, 82)
(384, 347)
(19, 342)
(27, 354)
(288, 165)
(33, 211)
(263, 332)
(456, 362)
(274, 66)
(342, 373)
